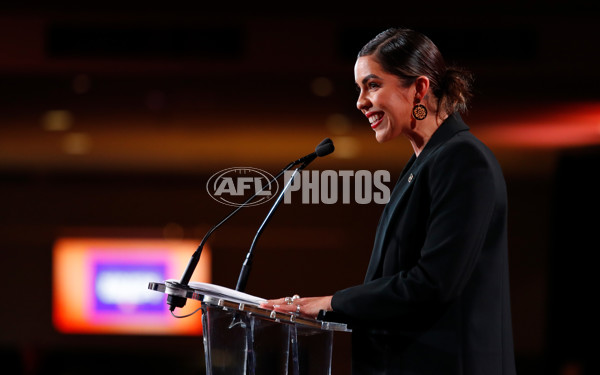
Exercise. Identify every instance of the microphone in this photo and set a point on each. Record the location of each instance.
(323, 149)
(174, 301)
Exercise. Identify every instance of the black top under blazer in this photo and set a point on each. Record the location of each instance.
(436, 294)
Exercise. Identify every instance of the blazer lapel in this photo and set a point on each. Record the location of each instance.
(402, 186)
(407, 178)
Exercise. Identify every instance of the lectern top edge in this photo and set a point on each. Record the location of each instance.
(244, 306)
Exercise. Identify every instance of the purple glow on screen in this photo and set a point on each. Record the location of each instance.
(122, 287)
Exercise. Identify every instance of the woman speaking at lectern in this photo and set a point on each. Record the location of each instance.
(435, 299)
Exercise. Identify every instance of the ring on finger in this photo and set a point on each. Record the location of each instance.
(297, 309)
(295, 297)
(289, 300)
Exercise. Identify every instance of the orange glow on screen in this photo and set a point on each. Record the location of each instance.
(556, 126)
(100, 286)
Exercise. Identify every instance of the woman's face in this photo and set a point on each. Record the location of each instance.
(383, 99)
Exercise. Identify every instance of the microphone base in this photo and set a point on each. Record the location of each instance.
(175, 301)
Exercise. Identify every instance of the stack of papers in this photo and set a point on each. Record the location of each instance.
(223, 292)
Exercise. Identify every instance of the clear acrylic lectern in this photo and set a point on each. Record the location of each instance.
(241, 338)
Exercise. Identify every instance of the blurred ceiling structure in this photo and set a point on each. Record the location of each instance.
(197, 89)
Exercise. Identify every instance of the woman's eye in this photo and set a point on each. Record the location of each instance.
(373, 85)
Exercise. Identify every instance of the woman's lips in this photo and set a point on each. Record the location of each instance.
(375, 119)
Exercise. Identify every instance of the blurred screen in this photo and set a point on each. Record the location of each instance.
(100, 285)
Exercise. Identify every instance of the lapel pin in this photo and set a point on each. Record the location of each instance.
(410, 178)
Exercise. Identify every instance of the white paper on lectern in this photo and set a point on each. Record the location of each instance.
(223, 292)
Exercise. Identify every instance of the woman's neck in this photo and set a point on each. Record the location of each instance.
(422, 131)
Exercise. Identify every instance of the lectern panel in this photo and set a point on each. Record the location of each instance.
(237, 343)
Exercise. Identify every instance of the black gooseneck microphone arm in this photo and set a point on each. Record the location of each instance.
(177, 301)
(324, 148)
(245, 271)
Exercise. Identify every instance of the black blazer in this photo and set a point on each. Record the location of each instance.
(436, 295)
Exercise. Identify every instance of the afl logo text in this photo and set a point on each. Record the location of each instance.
(233, 186)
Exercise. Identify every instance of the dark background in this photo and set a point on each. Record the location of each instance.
(161, 97)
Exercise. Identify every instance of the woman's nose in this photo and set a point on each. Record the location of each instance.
(362, 102)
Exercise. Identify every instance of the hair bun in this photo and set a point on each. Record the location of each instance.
(455, 87)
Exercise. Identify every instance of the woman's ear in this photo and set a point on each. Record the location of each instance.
(421, 87)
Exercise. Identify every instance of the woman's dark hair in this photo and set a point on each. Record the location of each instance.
(409, 54)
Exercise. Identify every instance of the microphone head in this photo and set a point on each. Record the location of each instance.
(324, 148)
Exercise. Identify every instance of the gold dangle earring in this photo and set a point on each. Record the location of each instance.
(419, 111)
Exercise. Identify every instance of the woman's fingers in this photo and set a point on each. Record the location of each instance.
(309, 306)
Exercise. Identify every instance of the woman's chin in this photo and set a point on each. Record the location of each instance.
(382, 137)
